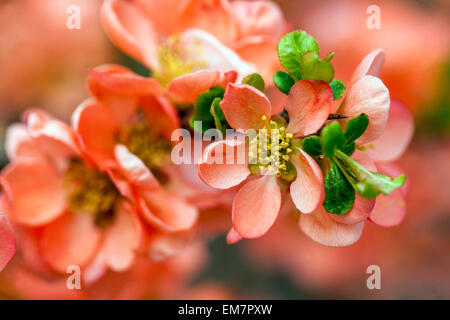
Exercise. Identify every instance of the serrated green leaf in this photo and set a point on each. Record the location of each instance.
(314, 68)
(356, 127)
(312, 146)
(255, 80)
(339, 193)
(283, 81)
(338, 88)
(332, 139)
(348, 148)
(291, 48)
(202, 105)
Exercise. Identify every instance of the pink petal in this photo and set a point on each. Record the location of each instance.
(35, 191)
(308, 105)
(256, 207)
(161, 114)
(167, 211)
(7, 241)
(369, 96)
(259, 18)
(122, 238)
(95, 126)
(135, 170)
(222, 175)
(233, 236)
(397, 135)
(362, 206)
(370, 65)
(163, 246)
(320, 227)
(307, 190)
(72, 239)
(203, 48)
(186, 88)
(131, 31)
(19, 142)
(390, 210)
(244, 107)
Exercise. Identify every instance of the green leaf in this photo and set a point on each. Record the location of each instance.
(339, 193)
(332, 139)
(217, 113)
(314, 68)
(255, 80)
(283, 81)
(291, 48)
(338, 88)
(312, 146)
(348, 148)
(202, 105)
(356, 127)
(366, 183)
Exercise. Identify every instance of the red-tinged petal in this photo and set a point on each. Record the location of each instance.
(277, 99)
(7, 241)
(220, 166)
(262, 53)
(320, 227)
(95, 126)
(122, 238)
(370, 65)
(35, 191)
(362, 207)
(369, 96)
(308, 105)
(245, 106)
(233, 236)
(167, 211)
(186, 88)
(161, 115)
(397, 135)
(390, 210)
(307, 190)
(256, 207)
(259, 18)
(214, 16)
(72, 239)
(167, 245)
(131, 31)
(202, 48)
(134, 170)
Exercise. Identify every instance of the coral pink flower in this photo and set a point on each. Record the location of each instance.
(74, 211)
(257, 204)
(7, 241)
(390, 130)
(211, 34)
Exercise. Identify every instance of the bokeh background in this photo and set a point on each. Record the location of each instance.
(43, 64)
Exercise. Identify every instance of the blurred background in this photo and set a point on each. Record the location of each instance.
(43, 64)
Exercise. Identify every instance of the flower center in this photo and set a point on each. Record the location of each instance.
(270, 147)
(174, 61)
(146, 144)
(90, 191)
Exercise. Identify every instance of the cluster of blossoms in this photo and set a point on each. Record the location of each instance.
(103, 190)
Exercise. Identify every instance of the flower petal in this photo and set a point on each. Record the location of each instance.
(131, 31)
(307, 190)
(390, 210)
(122, 238)
(256, 207)
(167, 211)
(233, 236)
(370, 65)
(320, 227)
(7, 241)
(308, 105)
(161, 115)
(72, 239)
(95, 126)
(397, 135)
(167, 245)
(213, 168)
(35, 191)
(244, 107)
(369, 96)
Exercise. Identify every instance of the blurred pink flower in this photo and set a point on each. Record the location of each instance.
(7, 241)
(217, 34)
(257, 204)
